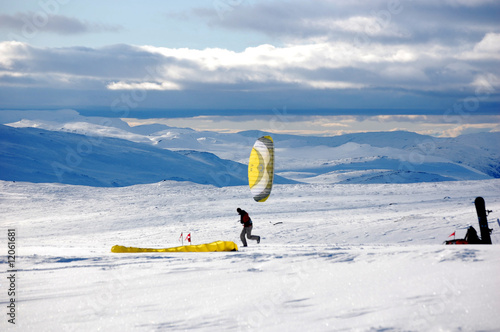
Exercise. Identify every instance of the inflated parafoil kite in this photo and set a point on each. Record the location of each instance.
(261, 168)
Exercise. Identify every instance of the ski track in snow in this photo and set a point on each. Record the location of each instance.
(332, 258)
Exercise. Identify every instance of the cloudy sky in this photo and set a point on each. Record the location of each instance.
(392, 61)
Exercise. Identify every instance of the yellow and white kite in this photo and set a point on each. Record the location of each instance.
(208, 247)
(261, 168)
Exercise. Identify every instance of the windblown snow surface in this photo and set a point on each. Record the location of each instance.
(332, 258)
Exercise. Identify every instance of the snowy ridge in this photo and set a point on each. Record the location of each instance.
(384, 157)
(400, 157)
(37, 155)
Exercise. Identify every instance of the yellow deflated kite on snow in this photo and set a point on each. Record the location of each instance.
(261, 168)
(208, 247)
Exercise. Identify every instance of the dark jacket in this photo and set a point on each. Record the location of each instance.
(245, 218)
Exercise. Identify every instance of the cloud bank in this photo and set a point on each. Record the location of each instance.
(391, 54)
(30, 23)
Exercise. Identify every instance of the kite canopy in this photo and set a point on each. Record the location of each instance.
(214, 246)
(261, 168)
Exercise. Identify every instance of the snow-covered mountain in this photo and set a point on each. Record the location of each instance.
(38, 155)
(378, 157)
(391, 157)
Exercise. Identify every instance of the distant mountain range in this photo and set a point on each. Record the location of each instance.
(107, 152)
(397, 156)
(38, 155)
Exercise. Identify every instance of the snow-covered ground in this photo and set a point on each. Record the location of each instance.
(333, 257)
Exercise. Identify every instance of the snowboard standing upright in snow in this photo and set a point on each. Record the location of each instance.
(247, 227)
(483, 220)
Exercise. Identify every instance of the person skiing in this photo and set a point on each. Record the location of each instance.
(247, 227)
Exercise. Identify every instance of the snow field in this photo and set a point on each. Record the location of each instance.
(332, 258)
